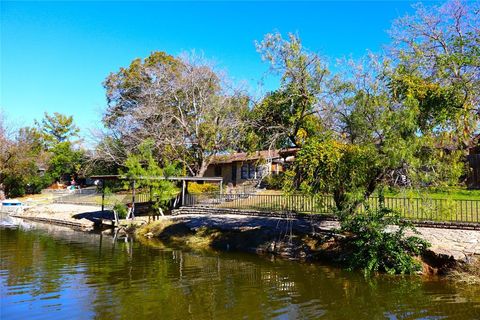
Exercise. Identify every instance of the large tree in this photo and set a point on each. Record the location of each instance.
(4, 144)
(65, 156)
(288, 115)
(436, 53)
(412, 112)
(180, 103)
(373, 137)
(57, 128)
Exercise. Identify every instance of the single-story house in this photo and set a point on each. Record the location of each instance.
(237, 168)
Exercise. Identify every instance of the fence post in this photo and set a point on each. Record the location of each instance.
(103, 195)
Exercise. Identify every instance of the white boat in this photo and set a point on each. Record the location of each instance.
(11, 206)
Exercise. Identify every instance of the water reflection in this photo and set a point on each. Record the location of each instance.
(54, 272)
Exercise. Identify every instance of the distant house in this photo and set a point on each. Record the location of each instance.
(237, 168)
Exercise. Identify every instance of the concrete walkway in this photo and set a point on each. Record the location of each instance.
(81, 216)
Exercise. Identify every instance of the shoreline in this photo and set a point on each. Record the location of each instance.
(288, 239)
(296, 238)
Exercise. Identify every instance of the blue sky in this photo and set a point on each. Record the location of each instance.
(55, 55)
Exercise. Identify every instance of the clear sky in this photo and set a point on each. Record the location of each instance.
(55, 55)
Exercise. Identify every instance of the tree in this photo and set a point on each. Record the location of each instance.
(373, 135)
(144, 169)
(21, 158)
(65, 157)
(348, 172)
(64, 160)
(288, 115)
(182, 104)
(437, 67)
(57, 128)
(4, 146)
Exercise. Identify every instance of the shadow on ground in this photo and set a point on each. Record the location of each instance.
(94, 215)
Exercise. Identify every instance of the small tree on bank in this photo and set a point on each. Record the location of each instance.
(144, 169)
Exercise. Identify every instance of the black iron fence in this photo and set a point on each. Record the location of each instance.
(143, 199)
(94, 197)
(425, 209)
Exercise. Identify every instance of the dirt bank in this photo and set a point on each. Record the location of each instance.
(294, 239)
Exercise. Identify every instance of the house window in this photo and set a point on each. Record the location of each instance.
(218, 171)
(251, 171)
(244, 171)
(259, 170)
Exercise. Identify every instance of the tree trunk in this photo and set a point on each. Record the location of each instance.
(339, 197)
(203, 168)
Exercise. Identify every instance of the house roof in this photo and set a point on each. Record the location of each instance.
(256, 155)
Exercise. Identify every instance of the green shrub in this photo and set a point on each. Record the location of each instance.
(274, 181)
(37, 183)
(14, 186)
(121, 210)
(377, 242)
(199, 188)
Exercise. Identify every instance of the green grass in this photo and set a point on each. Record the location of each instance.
(435, 193)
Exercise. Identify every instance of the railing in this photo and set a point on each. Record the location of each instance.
(442, 210)
(95, 198)
(142, 199)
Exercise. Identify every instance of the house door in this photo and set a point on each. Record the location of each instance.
(234, 173)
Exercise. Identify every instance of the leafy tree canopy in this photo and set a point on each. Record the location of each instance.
(181, 103)
(143, 164)
(436, 53)
(57, 128)
(288, 115)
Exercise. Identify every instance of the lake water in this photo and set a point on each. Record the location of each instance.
(49, 272)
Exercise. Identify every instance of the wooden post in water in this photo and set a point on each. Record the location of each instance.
(103, 195)
(133, 200)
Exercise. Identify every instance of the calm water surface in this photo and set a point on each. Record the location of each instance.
(51, 272)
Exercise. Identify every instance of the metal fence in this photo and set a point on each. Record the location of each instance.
(425, 209)
(94, 197)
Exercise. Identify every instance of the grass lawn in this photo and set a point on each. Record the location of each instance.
(450, 193)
